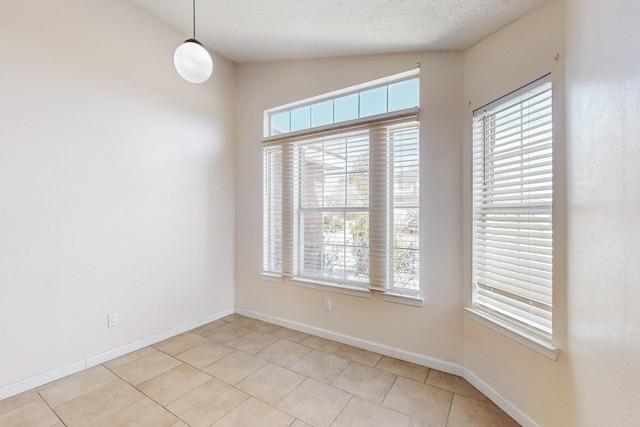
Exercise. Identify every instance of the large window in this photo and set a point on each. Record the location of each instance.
(341, 204)
(512, 210)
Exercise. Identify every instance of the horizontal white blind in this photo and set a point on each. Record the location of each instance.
(513, 194)
(272, 209)
(348, 202)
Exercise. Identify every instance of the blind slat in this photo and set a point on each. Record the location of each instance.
(346, 191)
(512, 194)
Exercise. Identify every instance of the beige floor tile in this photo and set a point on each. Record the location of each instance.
(321, 344)
(358, 355)
(402, 368)
(315, 403)
(238, 319)
(145, 413)
(421, 401)
(270, 383)
(365, 381)
(207, 404)
(254, 413)
(180, 343)
(33, 414)
(262, 327)
(282, 377)
(234, 367)
(284, 353)
(208, 328)
(420, 423)
(469, 412)
(363, 413)
(98, 405)
(289, 334)
(204, 354)
(173, 384)
(320, 366)
(252, 342)
(145, 368)
(130, 357)
(68, 388)
(454, 383)
(18, 400)
(227, 332)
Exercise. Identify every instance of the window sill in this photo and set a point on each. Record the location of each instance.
(332, 287)
(403, 299)
(533, 343)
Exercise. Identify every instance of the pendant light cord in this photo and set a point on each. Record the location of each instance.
(194, 19)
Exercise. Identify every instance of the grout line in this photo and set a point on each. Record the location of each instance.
(48, 406)
(305, 378)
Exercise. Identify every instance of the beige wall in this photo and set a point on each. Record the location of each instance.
(603, 201)
(597, 175)
(117, 191)
(538, 388)
(434, 330)
(116, 183)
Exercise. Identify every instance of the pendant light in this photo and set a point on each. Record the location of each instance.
(192, 61)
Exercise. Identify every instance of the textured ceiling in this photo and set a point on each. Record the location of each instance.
(261, 30)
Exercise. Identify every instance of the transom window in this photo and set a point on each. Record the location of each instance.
(395, 93)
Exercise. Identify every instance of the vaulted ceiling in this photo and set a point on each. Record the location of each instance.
(263, 30)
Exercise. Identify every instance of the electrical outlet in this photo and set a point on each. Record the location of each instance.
(112, 320)
(327, 304)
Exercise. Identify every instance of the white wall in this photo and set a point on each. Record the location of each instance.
(117, 194)
(116, 183)
(512, 57)
(434, 330)
(596, 227)
(603, 201)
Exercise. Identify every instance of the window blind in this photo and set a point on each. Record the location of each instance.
(342, 205)
(512, 209)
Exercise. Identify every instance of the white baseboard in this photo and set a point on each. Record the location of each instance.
(499, 400)
(386, 350)
(55, 374)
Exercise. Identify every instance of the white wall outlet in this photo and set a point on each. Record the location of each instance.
(113, 319)
(327, 304)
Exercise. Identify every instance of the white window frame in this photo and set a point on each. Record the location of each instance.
(512, 216)
(291, 234)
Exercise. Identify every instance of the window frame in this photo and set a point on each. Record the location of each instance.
(290, 242)
(532, 210)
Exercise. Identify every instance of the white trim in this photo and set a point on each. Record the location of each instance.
(360, 121)
(55, 374)
(546, 349)
(499, 400)
(386, 350)
(413, 300)
(331, 287)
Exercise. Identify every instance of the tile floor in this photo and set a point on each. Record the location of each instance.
(239, 371)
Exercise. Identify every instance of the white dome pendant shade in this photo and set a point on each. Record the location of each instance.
(193, 62)
(191, 59)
